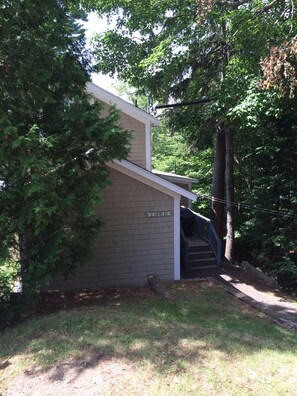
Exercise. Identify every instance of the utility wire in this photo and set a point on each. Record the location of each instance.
(240, 205)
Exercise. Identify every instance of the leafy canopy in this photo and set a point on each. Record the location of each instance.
(243, 55)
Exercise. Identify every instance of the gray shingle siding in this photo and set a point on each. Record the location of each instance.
(129, 245)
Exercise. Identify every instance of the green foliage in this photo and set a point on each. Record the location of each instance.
(171, 153)
(9, 273)
(54, 144)
(265, 147)
(183, 51)
(285, 272)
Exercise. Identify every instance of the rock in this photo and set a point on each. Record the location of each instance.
(246, 266)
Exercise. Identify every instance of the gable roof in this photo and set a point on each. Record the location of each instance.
(149, 178)
(126, 107)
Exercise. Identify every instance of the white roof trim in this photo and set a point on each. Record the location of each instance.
(126, 107)
(175, 177)
(150, 179)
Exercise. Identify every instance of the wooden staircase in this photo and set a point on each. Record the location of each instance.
(200, 254)
(199, 243)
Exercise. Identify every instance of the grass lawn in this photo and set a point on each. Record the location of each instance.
(200, 342)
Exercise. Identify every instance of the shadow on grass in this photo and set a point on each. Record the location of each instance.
(169, 335)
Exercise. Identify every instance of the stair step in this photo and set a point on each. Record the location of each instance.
(202, 262)
(199, 260)
(202, 255)
(199, 248)
(206, 266)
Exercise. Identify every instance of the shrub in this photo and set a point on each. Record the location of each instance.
(285, 272)
(9, 272)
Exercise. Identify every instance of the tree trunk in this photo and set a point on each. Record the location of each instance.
(24, 260)
(229, 181)
(217, 206)
(157, 286)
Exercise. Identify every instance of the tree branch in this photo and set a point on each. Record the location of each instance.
(232, 4)
(266, 8)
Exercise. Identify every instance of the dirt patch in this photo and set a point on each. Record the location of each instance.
(55, 300)
(76, 378)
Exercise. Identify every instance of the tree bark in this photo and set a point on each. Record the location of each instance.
(217, 206)
(24, 260)
(157, 286)
(229, 181)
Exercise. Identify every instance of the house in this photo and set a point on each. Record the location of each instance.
(140, 210)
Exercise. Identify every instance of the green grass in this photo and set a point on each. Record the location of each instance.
(200, 342)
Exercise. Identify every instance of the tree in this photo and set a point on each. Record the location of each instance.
(193, 49)
(171, 153)
(54, 142)
(265, 159)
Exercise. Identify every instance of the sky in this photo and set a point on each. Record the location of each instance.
(98, 25)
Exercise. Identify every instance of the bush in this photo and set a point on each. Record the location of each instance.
(9, 272)
(285, 272)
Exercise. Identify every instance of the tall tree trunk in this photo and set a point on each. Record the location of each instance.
(229, 181)
(217, 206)
(24, 260)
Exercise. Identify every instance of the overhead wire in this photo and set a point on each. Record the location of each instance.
(241, 205)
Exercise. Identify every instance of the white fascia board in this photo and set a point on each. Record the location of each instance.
(150, 179)
(126, 107)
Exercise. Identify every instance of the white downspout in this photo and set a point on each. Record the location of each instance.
(177, 238)
(148, 147)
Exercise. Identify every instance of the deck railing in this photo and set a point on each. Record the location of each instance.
(204, 228)
(201, 225)
(215, 243)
